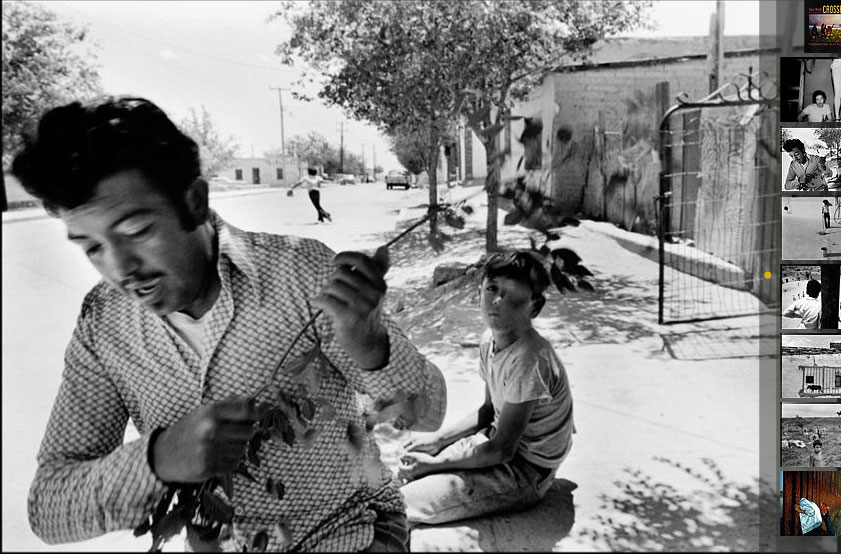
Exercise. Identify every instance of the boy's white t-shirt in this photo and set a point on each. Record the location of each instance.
(528, 370)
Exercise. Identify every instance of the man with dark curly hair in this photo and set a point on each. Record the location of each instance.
(188, 322)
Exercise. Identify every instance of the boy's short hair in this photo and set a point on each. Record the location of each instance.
(791, 144)
(78, 145)
(817, 443)
(312, 172)
(813, 288)
(521, 265)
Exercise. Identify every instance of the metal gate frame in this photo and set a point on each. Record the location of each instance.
(751, 95)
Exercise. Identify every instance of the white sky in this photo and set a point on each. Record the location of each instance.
(811, 410)
(220, 54)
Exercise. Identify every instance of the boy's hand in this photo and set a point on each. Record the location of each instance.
(353, 298)
(208, 441)
(429, 444)
(415, 465)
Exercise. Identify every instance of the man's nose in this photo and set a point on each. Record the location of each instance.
(123, 263)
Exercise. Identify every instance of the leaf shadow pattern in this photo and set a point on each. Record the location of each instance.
(545, 524)
(647, 513)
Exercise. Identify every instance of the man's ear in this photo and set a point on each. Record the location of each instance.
(196, 202)
(537, 305)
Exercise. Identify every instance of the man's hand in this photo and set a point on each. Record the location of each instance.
(210, 440)
(353, 298)
(429, 444)
(414, 465)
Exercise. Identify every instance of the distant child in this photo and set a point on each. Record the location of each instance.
(504, 455)
(313, 183)
(825, 210)
(807, 309)
(816, 457)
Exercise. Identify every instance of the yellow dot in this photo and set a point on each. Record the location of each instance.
(767, 274)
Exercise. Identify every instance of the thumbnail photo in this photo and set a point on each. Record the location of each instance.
(811, 227)
(810, 296)
(809, 503)
(810, 157)
(810, 435)
(823, 26)
(811, 366)
(808, 88)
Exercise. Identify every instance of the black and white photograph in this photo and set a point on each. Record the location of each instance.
(811, 89)
(811, 366)
(810, 296)
(370, 275)
(810, 435)
(810, 158)
(811, 227)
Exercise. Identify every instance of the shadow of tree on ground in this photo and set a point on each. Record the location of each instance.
(646, 513)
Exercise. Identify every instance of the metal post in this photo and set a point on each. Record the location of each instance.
(282, 138)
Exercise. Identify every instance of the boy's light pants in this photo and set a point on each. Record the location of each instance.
(444, 497)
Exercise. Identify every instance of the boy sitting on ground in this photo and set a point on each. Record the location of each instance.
(503, 456)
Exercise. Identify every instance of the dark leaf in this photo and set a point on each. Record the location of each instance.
(467, 209)
(533, 244)
(552, 236)
(228, 485)
(569, 257)
(561, 281)
(310, 436)
(143, 528)
(513, 217)
(215, 508)
(260, 542)
(206, 533)
(172, 523)
(381, 258)
(356, 436)
(295, 367)
(288, 435)
(519, 163)
(307, 409)
(569, 222)
(453, 220)
(242, 470)
(586, 285)
(578, 270)
(270, 486)
(253, 448)
(544, 250)
(436, 242)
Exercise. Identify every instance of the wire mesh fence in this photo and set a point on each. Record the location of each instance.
(718, 215)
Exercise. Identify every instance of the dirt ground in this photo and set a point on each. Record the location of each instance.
(794, 456)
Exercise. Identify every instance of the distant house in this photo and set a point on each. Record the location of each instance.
(260, 171)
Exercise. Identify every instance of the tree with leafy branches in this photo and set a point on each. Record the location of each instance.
(424, 64)
(47, 62)
(412, 148)
(314, 150)
(216, 152)
(832, 137)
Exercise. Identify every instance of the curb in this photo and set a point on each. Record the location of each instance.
(679, 257)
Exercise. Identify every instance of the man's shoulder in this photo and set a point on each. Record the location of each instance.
(103, 299)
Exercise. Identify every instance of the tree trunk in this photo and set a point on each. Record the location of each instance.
(4, 204)
(492, 188)
(830, 274)
(432, 173)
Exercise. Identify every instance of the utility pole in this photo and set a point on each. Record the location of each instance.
(362, 146)
(374, 167)
(341, 146)
(282, 138)
(715, 52)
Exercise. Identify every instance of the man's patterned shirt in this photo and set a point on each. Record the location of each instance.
(123, 362)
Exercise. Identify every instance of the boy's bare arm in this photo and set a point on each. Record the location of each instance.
(448, 434)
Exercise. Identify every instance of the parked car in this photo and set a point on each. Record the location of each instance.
(395, 179)
(347, 179)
